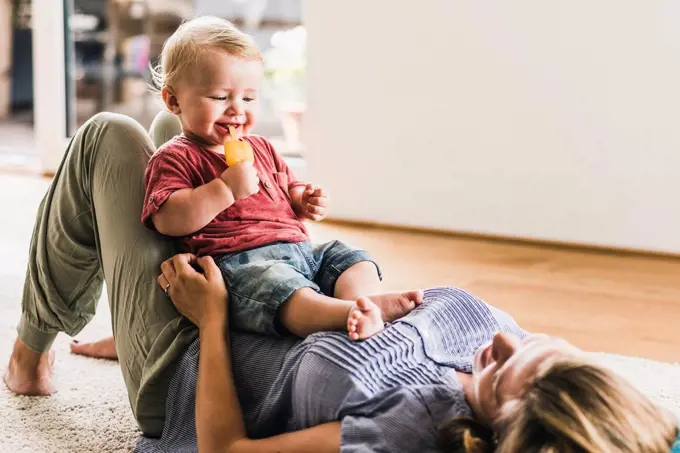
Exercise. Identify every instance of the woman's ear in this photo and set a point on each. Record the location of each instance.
(170, 100)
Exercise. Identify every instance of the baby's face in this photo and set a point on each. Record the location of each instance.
(221, 90)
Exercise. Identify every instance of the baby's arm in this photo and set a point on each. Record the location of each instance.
(296, 194)
(188, 210)
(309, 202)
(177, 206)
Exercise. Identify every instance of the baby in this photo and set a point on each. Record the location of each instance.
(249, 216)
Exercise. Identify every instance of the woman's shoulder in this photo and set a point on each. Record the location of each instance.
(444, 402)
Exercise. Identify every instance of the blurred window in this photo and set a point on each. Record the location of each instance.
(111, 42)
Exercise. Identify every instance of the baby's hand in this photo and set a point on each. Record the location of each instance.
(314, 203)
(242, 180)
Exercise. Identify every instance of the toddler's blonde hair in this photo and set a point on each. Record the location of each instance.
(183, 48)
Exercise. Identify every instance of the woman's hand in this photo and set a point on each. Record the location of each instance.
(202, 298)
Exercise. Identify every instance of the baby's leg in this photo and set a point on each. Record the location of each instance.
(349, 273)
(271, 288)
(308, 311)
(362, 279)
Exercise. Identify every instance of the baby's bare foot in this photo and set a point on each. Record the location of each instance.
(364, 320)
(395, 305)
(102, 349)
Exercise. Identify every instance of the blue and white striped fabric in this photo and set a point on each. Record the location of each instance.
(391, 392)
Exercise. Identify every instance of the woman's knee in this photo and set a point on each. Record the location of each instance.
(115, 143)
(164, 127)
(118, 124)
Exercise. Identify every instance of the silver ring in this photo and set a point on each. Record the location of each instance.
(165, 290)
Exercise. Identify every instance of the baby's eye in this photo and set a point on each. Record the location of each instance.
(248, 99)
(219, 98)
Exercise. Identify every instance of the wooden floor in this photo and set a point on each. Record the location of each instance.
(620, 303)
(600, 301)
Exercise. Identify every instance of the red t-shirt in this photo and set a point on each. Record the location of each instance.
(263, 218)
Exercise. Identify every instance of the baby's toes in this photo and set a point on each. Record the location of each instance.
(368, 325)
(353, 323)
(365, 304)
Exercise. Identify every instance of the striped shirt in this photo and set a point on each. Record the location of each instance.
(391, 392)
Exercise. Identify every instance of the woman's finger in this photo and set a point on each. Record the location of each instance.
(168, 269)
(162, 281)
(182, 263)
(184, 258)
(210, 269)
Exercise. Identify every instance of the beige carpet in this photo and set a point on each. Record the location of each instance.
(90, 413)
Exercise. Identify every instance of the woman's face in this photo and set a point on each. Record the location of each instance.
(503, 368)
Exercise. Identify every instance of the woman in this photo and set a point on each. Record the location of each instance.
(412, 388)
(89, 230)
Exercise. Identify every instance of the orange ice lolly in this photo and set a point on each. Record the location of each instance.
(237, 151)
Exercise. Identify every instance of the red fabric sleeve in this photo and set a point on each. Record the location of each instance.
(165, 173)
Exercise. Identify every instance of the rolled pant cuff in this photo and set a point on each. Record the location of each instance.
(35, 339)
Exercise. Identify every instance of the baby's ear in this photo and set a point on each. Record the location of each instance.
(170, 100)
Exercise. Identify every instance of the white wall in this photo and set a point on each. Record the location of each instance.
(550, 120)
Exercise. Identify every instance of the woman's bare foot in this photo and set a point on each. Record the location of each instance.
(395, 305)
(364, 320)
(102, 349)
(29, 373)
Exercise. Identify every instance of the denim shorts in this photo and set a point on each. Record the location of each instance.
(261, 279)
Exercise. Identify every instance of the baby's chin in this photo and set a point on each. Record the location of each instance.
(211, 142)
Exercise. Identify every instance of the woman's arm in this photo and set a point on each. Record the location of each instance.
(219, 419)
(319, 439)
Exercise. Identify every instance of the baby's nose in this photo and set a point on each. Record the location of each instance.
(235, 108)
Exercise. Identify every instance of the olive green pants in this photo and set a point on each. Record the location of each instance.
(89, 231)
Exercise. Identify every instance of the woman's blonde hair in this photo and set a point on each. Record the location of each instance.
(183, 48)
(572, 407)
